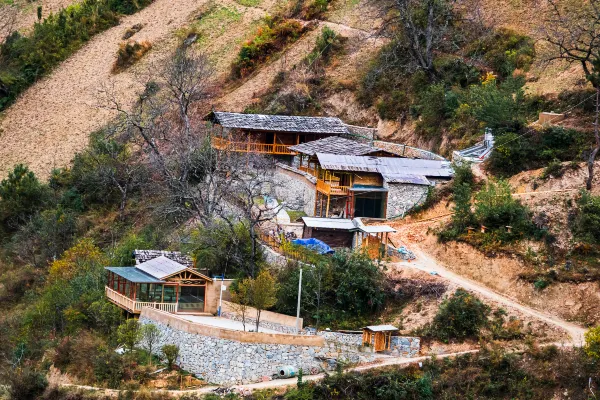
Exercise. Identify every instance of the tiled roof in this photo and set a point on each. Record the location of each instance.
(142, 256)
(280, 123)
(334, 145)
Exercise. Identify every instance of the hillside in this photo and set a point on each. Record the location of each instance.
(51, 121)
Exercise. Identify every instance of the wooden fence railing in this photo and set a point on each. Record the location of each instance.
(136, 306)
(332, 189)
(251, 147)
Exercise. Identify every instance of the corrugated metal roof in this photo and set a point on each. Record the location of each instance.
(377, 228)
(133, 274)
(142, 256)
(280, 123)
(329, 223)
(334, 145)
(363, 188)
(161, 267)
(381, 328)
(406, 178)
(385, 165)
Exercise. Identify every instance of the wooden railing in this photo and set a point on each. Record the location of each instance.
(251, 147)
(308, 170)
(136, 306)
(332, 188)
(120, 299)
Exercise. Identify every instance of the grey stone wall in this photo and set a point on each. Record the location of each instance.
(402, 197)
(224, 361)
(401, 346)
(296, 188)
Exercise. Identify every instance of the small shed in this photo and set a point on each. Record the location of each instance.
(336, 232)
(379, 336)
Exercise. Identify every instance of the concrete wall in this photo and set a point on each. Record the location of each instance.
(296, 188)
(212, 294)
(268, 319)
(402, 197)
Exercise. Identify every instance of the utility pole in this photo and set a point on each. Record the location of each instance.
(298, 309)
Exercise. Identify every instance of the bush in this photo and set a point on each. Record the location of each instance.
(520, 150)
(459, 317)
(21, 196)
(170, 352)
(26, 384)
(129, 53)
(326, 45)
(109, 368)
(586, 225)
(270, 38)
(496, 208)
(129, 334)
(592, 343)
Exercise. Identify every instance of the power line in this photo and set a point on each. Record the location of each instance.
(551, 120)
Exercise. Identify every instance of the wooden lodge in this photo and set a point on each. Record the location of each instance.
(270, 134)
(160, 283)
(379, 337)
(357, 185)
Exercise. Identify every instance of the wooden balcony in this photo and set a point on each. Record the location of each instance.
(332, 188)
(251, 147)
(308, 170)
(136, 306)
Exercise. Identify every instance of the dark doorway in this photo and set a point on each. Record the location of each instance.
(191, 299)
(370, 205)
(269, 138)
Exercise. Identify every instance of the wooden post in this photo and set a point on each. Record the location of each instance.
(328, 199)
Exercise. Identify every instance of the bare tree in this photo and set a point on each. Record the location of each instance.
(573, 30)
(422, 25)
(8, 15)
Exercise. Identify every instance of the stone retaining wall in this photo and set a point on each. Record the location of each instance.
(402, 197)
(223, 356)
(296, 188)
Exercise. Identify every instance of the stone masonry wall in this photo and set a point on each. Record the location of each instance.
(296, 188)
(402, 197)
(225, 361)
(401, 345)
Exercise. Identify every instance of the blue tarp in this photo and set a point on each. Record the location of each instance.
(315, 245)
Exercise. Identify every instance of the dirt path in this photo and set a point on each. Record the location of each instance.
(280, 383)
(429, 265)
(52, 120)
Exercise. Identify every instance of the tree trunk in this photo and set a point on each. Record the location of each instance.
(257, 319)
(596, 149)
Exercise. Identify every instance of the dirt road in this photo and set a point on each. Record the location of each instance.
(280, 383)
(429, 265)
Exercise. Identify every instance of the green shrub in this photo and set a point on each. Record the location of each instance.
(586, 225)
(524, 149)
(129, 334)
(21, 196)
(327, 44)
(26, 384)
(270, 38)
(504, 51)
(316, 9)
(541, 284)
(109, 368)
(170, 352)
(496, 208)
(592, 343)
(459, 317)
